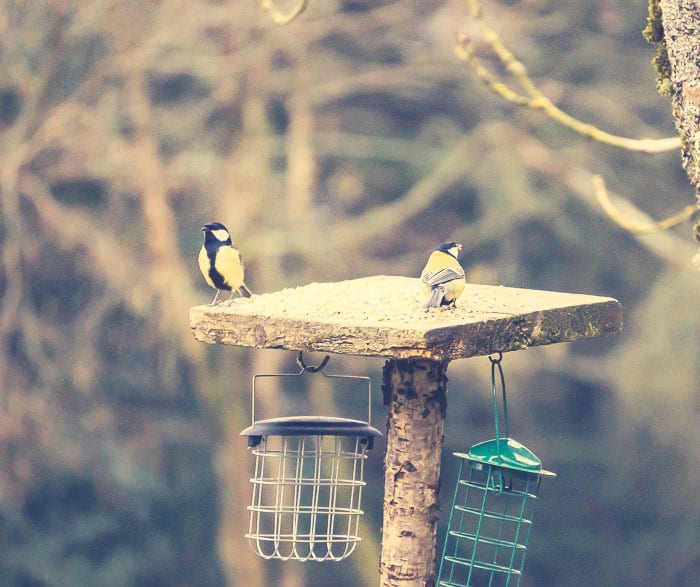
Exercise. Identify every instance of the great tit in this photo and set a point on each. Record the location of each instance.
(220, 262)
(443, 277)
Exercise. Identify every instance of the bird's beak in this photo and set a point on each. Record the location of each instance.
(204, 228)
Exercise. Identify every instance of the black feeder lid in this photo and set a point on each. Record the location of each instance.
(309, 426)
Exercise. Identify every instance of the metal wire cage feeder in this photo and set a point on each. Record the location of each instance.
(308, 480)
(492, 510)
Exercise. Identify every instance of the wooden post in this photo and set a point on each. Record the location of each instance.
(414, 391)
(382, 316)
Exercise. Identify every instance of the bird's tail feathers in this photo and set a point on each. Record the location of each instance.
(435, 298)
(244, 291)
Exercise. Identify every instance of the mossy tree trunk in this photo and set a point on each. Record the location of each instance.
(415, 392)
(681, 35)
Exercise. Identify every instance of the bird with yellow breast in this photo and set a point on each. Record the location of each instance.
(443, 277)
(220, 262)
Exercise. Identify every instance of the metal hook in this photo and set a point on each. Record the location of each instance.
(316, 369)
(496, 363)
(313, 369)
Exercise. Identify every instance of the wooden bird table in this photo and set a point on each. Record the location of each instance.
(382, 316)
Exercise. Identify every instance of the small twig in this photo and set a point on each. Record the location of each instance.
(464, 49)
(601, 194)
(534, 98)
(279, 17)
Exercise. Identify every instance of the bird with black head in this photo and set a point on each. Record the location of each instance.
(220, 262)
(443, 277)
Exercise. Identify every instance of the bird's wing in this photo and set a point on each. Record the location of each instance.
(205, 265)
(434, 278)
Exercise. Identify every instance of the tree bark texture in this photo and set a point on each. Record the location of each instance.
(415, 392)
(681, 26)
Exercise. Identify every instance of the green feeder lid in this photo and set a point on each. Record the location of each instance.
(507, 453)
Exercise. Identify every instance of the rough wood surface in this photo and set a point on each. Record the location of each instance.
(414, 391)
(383, 316)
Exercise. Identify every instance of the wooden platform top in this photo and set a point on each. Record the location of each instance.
(383, 316)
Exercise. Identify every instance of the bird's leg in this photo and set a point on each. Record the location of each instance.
(216, 297)
(451, 305)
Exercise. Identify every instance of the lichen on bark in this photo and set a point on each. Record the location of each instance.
(654, 34)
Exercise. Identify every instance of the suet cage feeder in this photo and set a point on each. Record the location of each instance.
(492, 510)
(308, 480)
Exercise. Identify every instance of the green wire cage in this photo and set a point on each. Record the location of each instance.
(492, 510)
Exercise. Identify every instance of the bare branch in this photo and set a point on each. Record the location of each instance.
(665, 245)
(535, 99)
(601, 194)
(464, 49)
(279, 17)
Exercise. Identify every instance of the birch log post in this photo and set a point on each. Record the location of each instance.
(415, 393)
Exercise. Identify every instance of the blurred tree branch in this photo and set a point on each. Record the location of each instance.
(533, 96)
(279, 17)
(683, 70)
(665, 245)
(454, 165)
(633, 226)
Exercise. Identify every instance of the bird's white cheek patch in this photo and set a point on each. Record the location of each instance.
(220, 234)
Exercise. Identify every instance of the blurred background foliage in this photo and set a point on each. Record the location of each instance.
(348, 143)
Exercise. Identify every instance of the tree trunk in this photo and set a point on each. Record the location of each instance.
(681, 34)
(415, 391)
